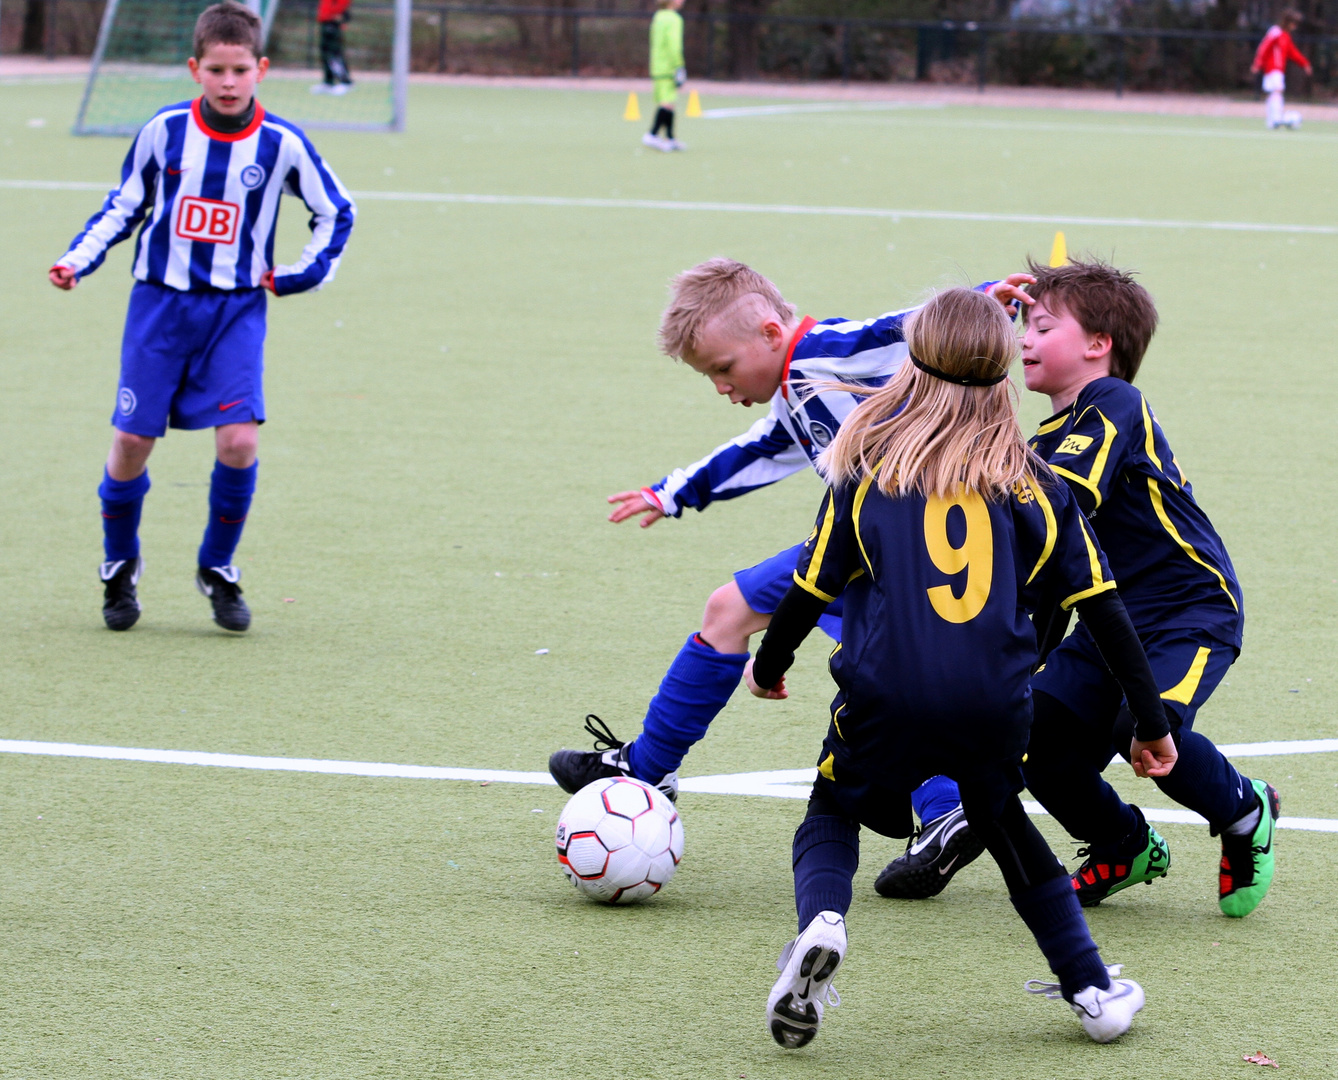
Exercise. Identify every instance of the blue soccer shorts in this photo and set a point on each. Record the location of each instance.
(190, 360)
(1186, 664)
(765, 584)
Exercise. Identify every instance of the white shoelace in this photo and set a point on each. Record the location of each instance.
(1055, 992)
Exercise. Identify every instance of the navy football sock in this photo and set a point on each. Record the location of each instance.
(230, 492)
(826, 856)
(122, 503)
(934, 798)
(1054, 917)
(696, 687)
(1206, 782)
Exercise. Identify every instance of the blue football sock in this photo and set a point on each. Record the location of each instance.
(826, 856)
(1206, 782)
(934, 798)
(696, 687)
(230, 492)
(122, 502)
(1054, 917)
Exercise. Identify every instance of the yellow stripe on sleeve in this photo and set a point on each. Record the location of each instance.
(1078, 597)
(1150, 438)
(1094, 562)
(860, 493)
(1051, 528)
(1183, 691)
(1054, 425)
(1160, 509)
(808, 588)
(810, 580)
(826, 767)
(1092, 481)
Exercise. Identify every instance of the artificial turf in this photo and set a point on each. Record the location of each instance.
(445, 421)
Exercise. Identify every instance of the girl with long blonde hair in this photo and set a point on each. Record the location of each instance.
(941, 531)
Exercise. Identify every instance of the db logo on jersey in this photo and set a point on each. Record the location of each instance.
(207, 220)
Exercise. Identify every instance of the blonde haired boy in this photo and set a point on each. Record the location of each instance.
(728, 322)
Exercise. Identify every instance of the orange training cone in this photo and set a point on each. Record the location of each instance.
(633, 110)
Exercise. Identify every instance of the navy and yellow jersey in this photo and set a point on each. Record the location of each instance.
(937, 592)
(1172, 567)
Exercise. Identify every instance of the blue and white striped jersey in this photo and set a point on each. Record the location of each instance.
(211, 201)
(801, 422)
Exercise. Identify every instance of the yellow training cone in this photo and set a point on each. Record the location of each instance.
(1059, 252)
(694, 104)
(633, 110)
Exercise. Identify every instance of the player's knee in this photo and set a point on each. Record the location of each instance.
(131, 448)
(236, 445)
(728, 615)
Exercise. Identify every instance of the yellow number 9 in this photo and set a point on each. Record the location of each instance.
(975, 556)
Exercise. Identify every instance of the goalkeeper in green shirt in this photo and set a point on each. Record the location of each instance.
(667, 72)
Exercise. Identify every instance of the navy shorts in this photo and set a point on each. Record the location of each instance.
(1186, 664)
(190, 360)
(765, 584)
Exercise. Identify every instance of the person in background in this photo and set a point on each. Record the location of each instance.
(332, 15)
(667, 72)
(1274, 51)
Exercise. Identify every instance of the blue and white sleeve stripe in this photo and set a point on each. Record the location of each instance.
(125, 206)
(332, 214)
(762, 455)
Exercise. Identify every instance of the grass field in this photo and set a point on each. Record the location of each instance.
(446, 420)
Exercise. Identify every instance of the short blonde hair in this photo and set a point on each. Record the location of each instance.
(931, 435)
(707, 291)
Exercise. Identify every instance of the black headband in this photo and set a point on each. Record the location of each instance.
(960, 380)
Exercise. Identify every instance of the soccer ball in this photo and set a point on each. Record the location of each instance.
(619, 840)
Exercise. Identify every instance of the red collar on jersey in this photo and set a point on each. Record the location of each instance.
(233, 136)
(804, 327)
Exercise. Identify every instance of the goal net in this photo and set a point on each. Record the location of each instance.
(139, 65)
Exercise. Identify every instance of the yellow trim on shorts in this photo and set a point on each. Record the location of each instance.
(1183, 692)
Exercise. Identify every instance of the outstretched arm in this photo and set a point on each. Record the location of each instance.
(762, 455)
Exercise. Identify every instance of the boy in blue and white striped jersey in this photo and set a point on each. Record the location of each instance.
(731, 324)
(205, 177)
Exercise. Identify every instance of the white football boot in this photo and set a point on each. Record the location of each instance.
(1105, 1014)
(807, 966)
(1291, 120)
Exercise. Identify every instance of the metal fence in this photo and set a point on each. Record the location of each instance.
(491, 39)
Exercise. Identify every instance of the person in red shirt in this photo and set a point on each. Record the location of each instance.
(332, 14)
(1274, 51)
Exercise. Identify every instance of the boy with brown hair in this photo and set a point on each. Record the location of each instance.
(728, 322)
(204, 177)
(1087, 328)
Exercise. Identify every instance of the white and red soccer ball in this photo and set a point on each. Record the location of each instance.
(619, 840)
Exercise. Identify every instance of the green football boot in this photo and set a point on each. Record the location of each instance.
(1105, 871)
(1247, 861)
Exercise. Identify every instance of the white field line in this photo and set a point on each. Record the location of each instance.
(776, 783)
(783, 209)
(1039, 126)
